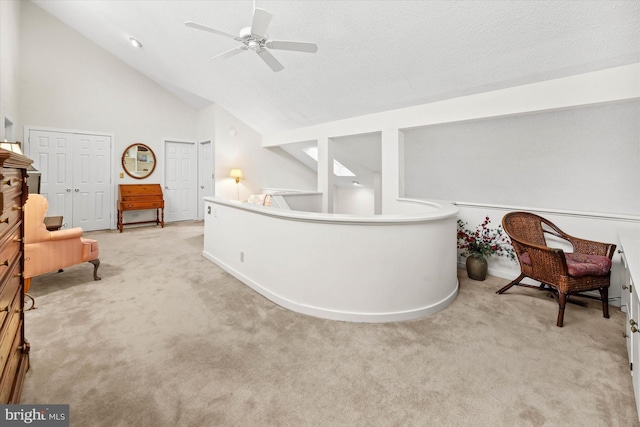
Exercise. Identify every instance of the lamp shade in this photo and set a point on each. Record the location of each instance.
(236, 173)
(11, 146)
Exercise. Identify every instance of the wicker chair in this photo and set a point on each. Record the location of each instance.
(587, 268)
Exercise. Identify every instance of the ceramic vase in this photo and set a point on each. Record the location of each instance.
(477, 268)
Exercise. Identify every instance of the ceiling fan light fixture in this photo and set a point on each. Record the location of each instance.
(135, 42)
(254, 45)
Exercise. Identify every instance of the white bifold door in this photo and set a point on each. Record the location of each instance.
(75, 176)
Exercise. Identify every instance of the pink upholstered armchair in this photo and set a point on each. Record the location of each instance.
(46, 251)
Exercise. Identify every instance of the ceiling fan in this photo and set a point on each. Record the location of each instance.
(255, 38)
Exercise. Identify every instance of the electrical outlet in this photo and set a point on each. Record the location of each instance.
(121, 175)
(209, 210)
(241, 256)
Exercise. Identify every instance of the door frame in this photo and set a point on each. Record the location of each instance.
(200, 177)
(164, 166)
(26, 148)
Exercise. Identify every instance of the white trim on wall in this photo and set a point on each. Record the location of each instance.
(577, 214)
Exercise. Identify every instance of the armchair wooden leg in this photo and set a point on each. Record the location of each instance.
(562, 300)
(604, 294)
(515, 282)
(96, 264)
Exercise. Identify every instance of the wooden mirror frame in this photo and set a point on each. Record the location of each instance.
(126, 163)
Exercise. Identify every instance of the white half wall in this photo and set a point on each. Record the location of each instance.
(375, 268)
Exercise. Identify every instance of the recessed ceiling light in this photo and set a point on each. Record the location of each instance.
(134, 42)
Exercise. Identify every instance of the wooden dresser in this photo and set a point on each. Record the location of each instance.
(14, 348)
(136, 197)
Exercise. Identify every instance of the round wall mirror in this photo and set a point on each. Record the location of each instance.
(138, 161)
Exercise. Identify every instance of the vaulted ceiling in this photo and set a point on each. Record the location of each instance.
(372, 55)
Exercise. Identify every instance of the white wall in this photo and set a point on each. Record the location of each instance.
(583, 159)
(239, 146)
(563, 96)
(65, 81)
(9, 63)
(355, 201)
(68, 82)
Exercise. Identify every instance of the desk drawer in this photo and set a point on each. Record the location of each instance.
(142, 204)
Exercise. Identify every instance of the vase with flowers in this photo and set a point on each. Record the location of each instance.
(481, 243)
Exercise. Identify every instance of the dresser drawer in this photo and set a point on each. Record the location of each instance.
(10, 216)
(11, 186)
(141, 204)
(11, 372)
(10, 249)
(10, 176)
(8, 289)
(9, 329)
(11, 179)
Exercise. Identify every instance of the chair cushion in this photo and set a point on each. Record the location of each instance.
(579, 265)
(587, 265)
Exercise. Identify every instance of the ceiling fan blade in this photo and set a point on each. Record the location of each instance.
(261, 20)
(230, 53)
(209, 29)
(297, 46)
(271, 60)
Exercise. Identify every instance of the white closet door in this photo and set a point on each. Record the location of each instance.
(91, 186)
(181, 181)
(75, 176)
(52, 156)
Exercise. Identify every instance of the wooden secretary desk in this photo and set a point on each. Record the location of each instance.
(136, 197)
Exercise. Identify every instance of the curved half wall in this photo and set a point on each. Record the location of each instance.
(378, 268)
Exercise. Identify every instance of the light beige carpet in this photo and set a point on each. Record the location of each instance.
(169, 339)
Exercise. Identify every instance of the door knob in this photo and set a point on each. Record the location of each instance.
(77, 190)
(68, 190)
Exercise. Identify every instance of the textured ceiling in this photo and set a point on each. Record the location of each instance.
(372, 55)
